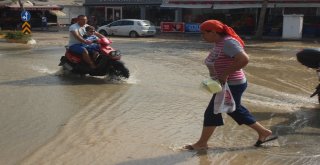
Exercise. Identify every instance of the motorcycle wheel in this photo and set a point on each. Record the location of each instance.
(118, 69)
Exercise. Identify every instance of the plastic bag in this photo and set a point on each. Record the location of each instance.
(211, 85)
(223, 101)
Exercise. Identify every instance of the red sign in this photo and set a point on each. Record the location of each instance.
(172, 27)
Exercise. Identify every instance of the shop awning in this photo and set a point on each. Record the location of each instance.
(190, 6)
(235, 6)
(241, 1)
(238, 4)
(30, 6)
(270, 5)
(58, 13)
(297, 5)
(36, 8)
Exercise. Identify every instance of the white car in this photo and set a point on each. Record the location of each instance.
(128, 27)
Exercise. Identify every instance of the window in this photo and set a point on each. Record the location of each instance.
(117, 23)
(127, 23)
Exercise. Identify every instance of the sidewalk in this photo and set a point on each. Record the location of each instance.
(60, 38)
(42, 38)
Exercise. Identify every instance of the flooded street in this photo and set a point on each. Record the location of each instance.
(50, 118)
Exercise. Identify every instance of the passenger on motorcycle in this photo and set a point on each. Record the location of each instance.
(93, 36)
(77, 43)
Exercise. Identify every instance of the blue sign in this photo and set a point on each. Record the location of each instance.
(192, 28)
(25, 16)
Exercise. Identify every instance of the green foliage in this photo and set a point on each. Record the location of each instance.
(18, 35)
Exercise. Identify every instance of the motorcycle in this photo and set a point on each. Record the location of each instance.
(311, 59)
(107, 61)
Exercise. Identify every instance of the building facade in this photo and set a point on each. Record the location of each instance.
(106, 11)
(243, 15)
(58, 12)
(10, 14)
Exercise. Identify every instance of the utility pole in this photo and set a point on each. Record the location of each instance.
(262, 16)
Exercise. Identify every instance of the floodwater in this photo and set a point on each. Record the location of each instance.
(49, 118)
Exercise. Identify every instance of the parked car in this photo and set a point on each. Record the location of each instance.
(128, 27)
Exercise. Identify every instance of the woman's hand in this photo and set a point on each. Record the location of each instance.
(223, 79)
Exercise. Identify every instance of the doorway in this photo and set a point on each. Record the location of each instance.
(113, 13)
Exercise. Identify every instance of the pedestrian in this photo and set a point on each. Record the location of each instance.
(225, 62)
(44, 23)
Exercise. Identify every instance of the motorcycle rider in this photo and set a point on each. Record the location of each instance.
(77, 43)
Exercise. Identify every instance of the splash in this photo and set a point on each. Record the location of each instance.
(132, 80)
(44, 69)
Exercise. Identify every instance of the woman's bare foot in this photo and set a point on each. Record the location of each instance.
(195, 147)
(263, 135)
(262, 131)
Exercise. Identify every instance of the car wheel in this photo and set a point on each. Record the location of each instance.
(133, 34)
(103, 32)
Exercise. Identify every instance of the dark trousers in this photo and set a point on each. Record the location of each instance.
(241, 115)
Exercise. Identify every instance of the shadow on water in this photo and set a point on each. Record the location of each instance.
(295, 122)
(184, 155)
(168, 159)
(52, 80)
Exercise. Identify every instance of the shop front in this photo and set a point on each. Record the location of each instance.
(106, 11)
(11, 15)
(243, 16)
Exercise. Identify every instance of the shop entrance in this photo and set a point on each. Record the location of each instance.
(113, 13)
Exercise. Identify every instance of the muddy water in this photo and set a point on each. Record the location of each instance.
(49, 118)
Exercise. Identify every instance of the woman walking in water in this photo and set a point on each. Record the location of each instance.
(225, 62)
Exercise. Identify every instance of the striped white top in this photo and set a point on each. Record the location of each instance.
(217, 62)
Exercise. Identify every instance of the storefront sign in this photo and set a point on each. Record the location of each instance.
(192, 28)
(94, 2)
(172, 27)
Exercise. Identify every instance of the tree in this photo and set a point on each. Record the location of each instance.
(20, 4)
(262, 16)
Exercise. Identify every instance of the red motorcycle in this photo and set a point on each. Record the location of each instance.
(311, 59)
(106, 59)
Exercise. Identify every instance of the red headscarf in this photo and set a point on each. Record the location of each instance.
(217, 26)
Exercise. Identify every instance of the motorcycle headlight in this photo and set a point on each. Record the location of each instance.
(113, 53)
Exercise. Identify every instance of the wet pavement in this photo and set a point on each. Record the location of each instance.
(47, 117)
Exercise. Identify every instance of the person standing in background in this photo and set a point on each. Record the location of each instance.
(44, 23)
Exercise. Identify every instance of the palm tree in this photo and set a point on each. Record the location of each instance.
(263, 11)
